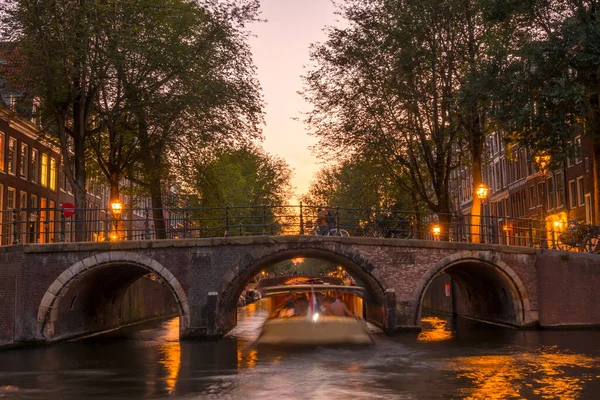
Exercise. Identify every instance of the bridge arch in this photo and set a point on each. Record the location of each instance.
(355, 263)
(105, 270)
(489, 284)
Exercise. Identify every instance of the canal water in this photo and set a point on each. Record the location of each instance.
(449, 359)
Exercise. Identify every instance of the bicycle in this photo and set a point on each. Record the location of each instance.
(392, 228)
(329, 232)
(580, 237)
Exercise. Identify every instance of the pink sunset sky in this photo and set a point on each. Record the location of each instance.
(281, 50)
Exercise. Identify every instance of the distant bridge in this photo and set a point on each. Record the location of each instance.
(50, 292)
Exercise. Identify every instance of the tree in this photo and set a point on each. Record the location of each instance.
(140, 81)
(246, 177)
(406, 79)
(188, 79)
(64, 67)
(550, 89)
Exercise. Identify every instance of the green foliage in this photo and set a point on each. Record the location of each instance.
(256, 183)
(407, 83)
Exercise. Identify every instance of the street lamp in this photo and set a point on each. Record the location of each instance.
(437, 231)
(542, 160)
(482, 192)
(116, 208)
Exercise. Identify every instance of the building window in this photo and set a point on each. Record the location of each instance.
(52, 174)
(33, 202)
(44, 171)
(550, 187)
(570, 158)
(580, 191)
(35, 168)
(1, 151)
(532, 201)
(572, 194)
(61, 178)
(586, 164)
(22, 200)
(12, 156)
(11, 198)
(24, 161)
(578, 150)
(560, 189)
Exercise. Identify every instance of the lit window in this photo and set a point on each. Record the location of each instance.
(11, 198)
(12, 156)
(35, 168)
(578, 158)
(580, 191)
(22, 200)
(1, 152)
(24, 161)
(44, 171)
(53, 174)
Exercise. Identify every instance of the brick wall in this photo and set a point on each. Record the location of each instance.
(569, 289)
(11, 287)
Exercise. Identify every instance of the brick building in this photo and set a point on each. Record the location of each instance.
(517, 189)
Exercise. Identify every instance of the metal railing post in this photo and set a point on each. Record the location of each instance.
(530, 233)
(147, 223)
(337, 220)
(227, 221)
(186, 216)
(15, 227)
(62, 226)
(106, 227)
(301, 221)
(553, 239)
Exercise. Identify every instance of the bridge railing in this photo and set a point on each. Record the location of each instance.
(48, 225)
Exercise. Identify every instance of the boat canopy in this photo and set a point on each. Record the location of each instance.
(285, 289)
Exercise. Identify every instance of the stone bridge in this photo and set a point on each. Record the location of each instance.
(50, 292)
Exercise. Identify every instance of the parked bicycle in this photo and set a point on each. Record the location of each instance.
(391, 225)
(580, 238)
(325, 231)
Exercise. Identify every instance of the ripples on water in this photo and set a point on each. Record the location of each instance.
(449, 359)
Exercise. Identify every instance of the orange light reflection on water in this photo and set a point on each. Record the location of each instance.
(437, 332)
(171, 354)
(246, 356)
(503, 376)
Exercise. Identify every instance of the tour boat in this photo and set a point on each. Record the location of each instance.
(303, 323)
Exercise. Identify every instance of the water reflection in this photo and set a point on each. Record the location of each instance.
(434, 330)
(170, 349)
(548, 374)
(449, 359)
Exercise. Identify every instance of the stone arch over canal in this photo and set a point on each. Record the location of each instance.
(87, 297)
(482, 287)
(352, 260)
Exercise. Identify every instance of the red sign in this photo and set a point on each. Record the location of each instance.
(447, 288)
(68, 209)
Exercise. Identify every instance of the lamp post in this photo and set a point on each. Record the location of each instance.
(116, 208)
(482, 192)
(542, 160)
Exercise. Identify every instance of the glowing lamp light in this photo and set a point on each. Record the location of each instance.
(315, 317)
(557, 224)
(542, 160)
(116, 208)
(482, 191)
(505, 228)
(437, 230)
